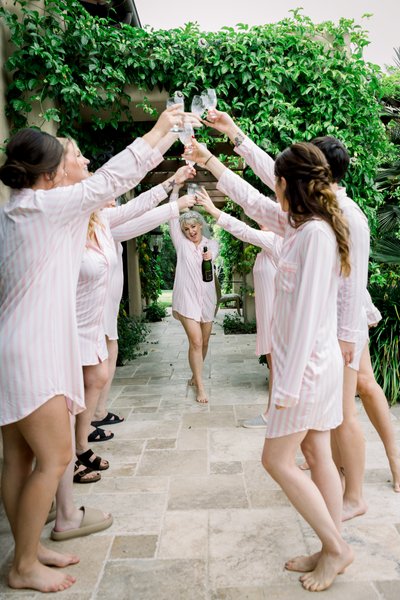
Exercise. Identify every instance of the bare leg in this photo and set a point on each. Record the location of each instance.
(279, 460)
(350, 440)
(95, 378)
(68, 515)
(326, 477)
(377, 409)
(193, 330)
(25, 488)
(101, 407)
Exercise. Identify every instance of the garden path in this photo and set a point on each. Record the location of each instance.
(195, 515)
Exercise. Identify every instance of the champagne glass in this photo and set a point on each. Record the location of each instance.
(186, 136)
(209, 98)
(177, 98)
(197, 106)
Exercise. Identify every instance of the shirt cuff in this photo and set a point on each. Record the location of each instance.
(349, 335)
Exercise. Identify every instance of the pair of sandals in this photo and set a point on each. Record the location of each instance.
(98, 434)
(91, 463)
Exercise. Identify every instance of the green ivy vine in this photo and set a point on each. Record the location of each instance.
(283, 82)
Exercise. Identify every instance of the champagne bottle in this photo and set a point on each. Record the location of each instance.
(207, 268)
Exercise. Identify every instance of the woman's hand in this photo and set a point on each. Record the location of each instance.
(347, 349)
(173, 115)
(207, 255)
(184, 173)
(196, 153)
(193, 119)
(205, 201)
(186, 201)
(219, 120)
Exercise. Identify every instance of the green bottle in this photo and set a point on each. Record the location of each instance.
(207, 268)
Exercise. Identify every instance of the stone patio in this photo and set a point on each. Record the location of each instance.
(195, 515)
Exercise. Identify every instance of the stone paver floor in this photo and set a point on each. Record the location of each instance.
(195, 515)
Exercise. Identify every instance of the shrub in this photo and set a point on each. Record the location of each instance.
(155, 312)
(235, 324)
(131, 333)
(385, 344)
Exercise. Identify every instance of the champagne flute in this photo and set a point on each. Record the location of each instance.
(209, 98)
(185, 136)
(197, 106)
(177, 98)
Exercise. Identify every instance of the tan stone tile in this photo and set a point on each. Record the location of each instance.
(118, 451)
(388, 590)
(137, 430)
(213, 491)
(250, 547)
(154, 579)
(226, 468)
(377, 550)
(173, 462)
(192, 439)
(237, 443)
(130, 401)
(184, 534)
(134, 546)
(160, 444)
(238, 593)
(206, 419)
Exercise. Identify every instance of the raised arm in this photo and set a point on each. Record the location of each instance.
(261, 163)
(150, 219)
(262, 239)
(255, 205)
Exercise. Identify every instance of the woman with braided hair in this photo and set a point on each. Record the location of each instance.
(306, 399)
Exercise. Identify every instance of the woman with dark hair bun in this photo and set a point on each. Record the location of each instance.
(42, 237)
(306, 397)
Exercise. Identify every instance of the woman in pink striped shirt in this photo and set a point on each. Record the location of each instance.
(42, 235)
(193, 300)
(99, 262)
(264, 272)
(121, 233)
(306, 401)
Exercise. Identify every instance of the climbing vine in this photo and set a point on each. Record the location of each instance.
(283, 82)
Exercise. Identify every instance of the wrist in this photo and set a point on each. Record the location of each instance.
(236, 135)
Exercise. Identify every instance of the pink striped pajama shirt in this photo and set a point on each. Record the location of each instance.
(307, 361)
(98, 264)
(264, 271)
(42, 239)
(141, 204)
(191, 296)
(352, 319)
(121, 233)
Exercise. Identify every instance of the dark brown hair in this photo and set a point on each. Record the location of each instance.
(30, 153)
(309, 195)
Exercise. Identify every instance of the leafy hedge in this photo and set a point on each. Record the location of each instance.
(284, 81)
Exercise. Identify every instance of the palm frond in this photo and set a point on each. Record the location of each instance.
(388, 218)
(389, 177)
(387, 250)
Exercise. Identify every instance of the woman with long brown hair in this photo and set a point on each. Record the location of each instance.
(306, 399)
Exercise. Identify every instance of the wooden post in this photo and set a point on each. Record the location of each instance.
(134, 286)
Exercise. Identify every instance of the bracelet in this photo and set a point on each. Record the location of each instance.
(209, 158)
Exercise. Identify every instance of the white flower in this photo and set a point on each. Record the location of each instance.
(202, 43)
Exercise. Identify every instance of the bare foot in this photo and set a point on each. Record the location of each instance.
(40, 578)
(328, 567)
(201, 396)
(303, 564)
(191, 382)
(395, 469)
(55, 559)
(351, 510)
